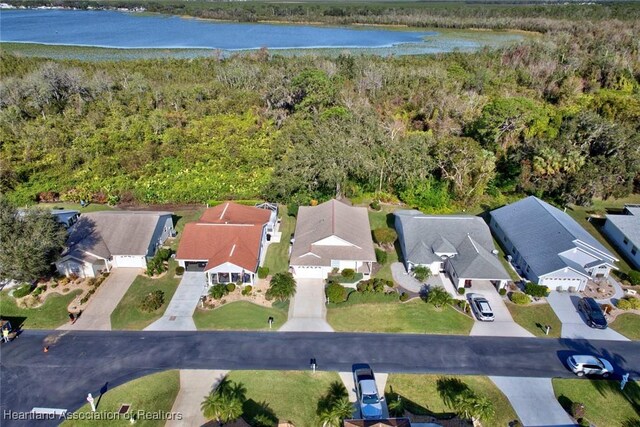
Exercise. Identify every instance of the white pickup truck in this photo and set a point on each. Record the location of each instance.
(369, 402)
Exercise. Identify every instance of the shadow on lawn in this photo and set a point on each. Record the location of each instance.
(413, 407)
(258, 413)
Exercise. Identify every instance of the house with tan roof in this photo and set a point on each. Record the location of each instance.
(226, 244)
(331, 236)
(99, 241)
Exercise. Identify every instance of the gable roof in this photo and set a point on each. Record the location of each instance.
(424, 238)
(628, 224)
(234, 213)
(109, 233)
(329, 220)
(540, 232)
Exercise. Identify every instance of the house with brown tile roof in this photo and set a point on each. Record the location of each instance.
(331, 236)
(226, 243)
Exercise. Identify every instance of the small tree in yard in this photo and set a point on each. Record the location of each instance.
(282, 287)
(334, 406)
(225, 402)
(336, 293)
(438, 296)
(152, 301)
(421, 273)
(385, 236)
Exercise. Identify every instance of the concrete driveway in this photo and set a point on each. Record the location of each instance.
(179, 313)
(195, 384)
(307, 309)
(504, 325)
(97, 315)
(565, 305)
(350, 385)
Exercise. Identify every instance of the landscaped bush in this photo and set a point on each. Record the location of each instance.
(373, 285)
(348, 273)
(628, 303)
(385, 236)
(231, 287)
(152, 301)
(520, 298)
(263, 272)
(404, 296)
(218, 291)
(156, 265)
(375, 205)
(179, 271)
(461, 291)
(634, 277)
(438, 296)
(502, 291)
(381, 256)
(247, 290)
(421, 273)
(536, 290)
(22, 291)
(336, 293)
(64, 281)
(39, 290)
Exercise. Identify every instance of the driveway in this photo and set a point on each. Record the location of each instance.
(307, 309)
(534, 401)
(504, 325)
(97, 314)
(194, 385)
(179, 313)
(565, 305)
(350, 385)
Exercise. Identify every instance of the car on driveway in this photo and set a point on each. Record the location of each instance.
(582, 365)
(481, 308)
(593, 313)
(369, 403)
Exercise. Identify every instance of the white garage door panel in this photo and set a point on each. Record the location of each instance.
(129, 261)
(309, 272)
(553, 283)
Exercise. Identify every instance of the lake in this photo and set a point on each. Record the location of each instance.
(129, 30)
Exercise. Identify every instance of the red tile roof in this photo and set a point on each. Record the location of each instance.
(233, 213)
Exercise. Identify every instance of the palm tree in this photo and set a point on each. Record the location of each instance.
(334, 414)
(282, 287)
(438, 296)
(225, 402)
(471, 406)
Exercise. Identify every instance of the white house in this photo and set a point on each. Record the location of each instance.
(624, 231)
(332, 236)
(548, 246)
(100, 241)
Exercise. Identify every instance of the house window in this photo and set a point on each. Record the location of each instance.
(528, 269)
(634, 250)
(626, 240)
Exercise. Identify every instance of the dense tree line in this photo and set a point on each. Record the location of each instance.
(557, 116)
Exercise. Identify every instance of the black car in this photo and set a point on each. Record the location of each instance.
(593, 313)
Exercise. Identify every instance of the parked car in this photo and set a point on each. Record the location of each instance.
(593, 313)
(369, 403)
(582, 365)
(481, 308)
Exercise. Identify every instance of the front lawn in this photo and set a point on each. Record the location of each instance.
(290, 395)
(627, 324)
(154, 394)
(605, 404)
(420, 396)
(52, 314)
(534, 317)
(414, 316)
(240, 315)
(277, 258)
(128, 314)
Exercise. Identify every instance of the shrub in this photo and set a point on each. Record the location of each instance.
(39, 290)
(179, 271)
(634, 277)
(628, 303)
(218, 291)
(247, 290)
(375, 205)
(22, 291)
(64, 281)
(263, 272)
(381, 256)
(282, 287)
(336, 293)
(54, 285)
(520, 298)
(231, 287)
(502, 291)
(577, 410)
(348, 273)
(292, 209)
(385, 235)
(536, 290)
(461, 291)
(438, 296)
(421, 273)
(404, 296)
(152, 301)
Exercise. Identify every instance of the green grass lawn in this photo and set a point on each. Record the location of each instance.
(605, 404)
(92, 207)
(414, 316)
(52, 314)
(290, 395)
(277, 258)
(421, 397)
(152, 393)
(127, 315)
(240, 315)
(533, 317)
(628, 325)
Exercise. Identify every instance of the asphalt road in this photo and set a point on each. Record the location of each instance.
(79, 362)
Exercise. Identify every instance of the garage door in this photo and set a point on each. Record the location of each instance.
(195, 265)
(309, 272)
(129, 261)
(565, 284)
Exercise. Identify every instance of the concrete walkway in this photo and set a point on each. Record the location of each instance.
(195, 384)
(307, 309)
(97, 315)
(179, 313)
(565, 305)
(504, 325)
(534, 401)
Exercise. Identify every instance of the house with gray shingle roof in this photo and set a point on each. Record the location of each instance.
(548, 246)
(460, 245)
(99, 241)
(624, 232)
(331, 236)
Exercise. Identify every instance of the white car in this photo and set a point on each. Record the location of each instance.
(369, 403)
(582, 365)
(481, 308)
